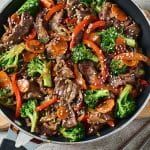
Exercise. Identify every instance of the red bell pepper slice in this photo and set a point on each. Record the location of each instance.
(99, 53)
(46, 104)
(17, 95)
(95, 25)
(53, 10)
(31, 36)
(80, 27)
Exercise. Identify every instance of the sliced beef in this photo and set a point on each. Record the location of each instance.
(71, 120)
(82, 11)
(19, 30)
(67, 91)
(105, 12)
(132, 30)
(62, 70)
(94, 129)
(33, 91)
(88, 71)
(40, 29)
(2, 47)
(72, 4)
(95, 117)
(56, 24)
(97, 120)
(77, 9)
(49, 123)
(56, 20)
(116, 81)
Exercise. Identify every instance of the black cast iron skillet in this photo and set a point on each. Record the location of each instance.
(132, 10)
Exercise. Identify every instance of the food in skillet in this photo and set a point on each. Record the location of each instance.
(70, 68)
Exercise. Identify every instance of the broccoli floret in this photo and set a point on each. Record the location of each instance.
(5, 92)
(92, 97)
(39, 67)
(80, 53)
(95, 4)
(117, 67)
(30, 6)
(6, 98)
(28, 110)
(73, 134)
(10, 59)
(125, 104)
(108, 39)
(130, 42)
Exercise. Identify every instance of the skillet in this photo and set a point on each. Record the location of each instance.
(144, 41)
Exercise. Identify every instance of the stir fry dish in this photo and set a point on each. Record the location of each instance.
(71, 68)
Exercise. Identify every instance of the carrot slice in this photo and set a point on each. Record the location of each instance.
(15, 18)
(59, 47)
(120, 41)
(53, 10)
(106, 106)
(62, 112)
(4, 80)
(133, 56)
(47, 3)
(118, 13)
(28, 56)
(130, 63)
(34, 46)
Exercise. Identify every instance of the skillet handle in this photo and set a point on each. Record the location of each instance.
(20, 139)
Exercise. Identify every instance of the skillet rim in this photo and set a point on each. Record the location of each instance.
(96, 138)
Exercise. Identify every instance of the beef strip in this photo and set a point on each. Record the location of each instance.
(96, 120)
(72, 4)
(77, 9)
(56, 25)
(62, 70)
(132, 30)
(56, 20)
(71, 120)
(67, 91)
(88, 71)
(124, 79)
(49, 123)
(2, 47)
(40, 29)
(33, 91)
(19, 30)
(81, 12)
(105, 12)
